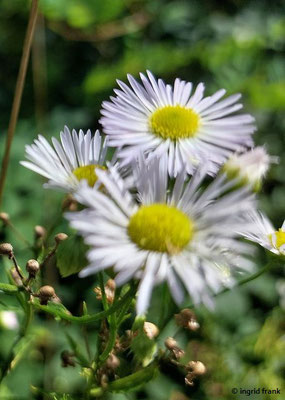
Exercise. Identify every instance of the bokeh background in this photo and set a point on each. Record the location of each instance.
(80, 49)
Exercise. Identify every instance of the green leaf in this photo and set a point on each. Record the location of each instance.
(8, 289)
(71, 256)
(78, 353)
(143, 347)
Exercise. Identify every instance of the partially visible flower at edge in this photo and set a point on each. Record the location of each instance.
(9, 320)
(157, 118)
(187, 236)
(263, 232)
(250, 167)
(67, 163)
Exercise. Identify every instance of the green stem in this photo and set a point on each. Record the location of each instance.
(123, 311)
(249, 278)
(85, 319)
(102, 287)
(128, 382)
(243, 281)
(112, 339)
(22, 333)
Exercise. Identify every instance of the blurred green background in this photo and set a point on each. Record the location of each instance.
(80, 49)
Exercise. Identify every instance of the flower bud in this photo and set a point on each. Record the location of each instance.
(112, 362)
(60, 237)
(172, 346)
(110, 288)
(170, 343)
(150, 330)
(6, 249)
(196, 367)
(69, 203)
(4, 217)
(32, 268)
(111, 284)
(187, 319)
(45, 294)
(67, 359)
(189, 379)
(40, 232)
(250, 167)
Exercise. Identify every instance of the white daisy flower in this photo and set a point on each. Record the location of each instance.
(157, 118)
(250, 167)
(69, 162)
(185, 236)
(262, 231)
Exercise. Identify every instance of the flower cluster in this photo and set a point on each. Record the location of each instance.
(163, 220)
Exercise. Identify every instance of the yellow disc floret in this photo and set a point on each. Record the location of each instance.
(277, 239)
(87, 172)
(174, 122)
(161, 228)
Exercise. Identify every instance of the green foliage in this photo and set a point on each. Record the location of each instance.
(82, 14)
(142, 346)
(70, 256)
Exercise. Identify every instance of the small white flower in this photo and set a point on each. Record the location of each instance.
(9, 320)
(157, 118)
(250, 167)
(261, 231)
(186, 236)
(67, 163)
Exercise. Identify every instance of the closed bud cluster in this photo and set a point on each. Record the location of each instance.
(60, 237)
(40, 232)
(4, 217)
(6, 249)
(46, 293)
(67, 359)
(110, 289)
(32, 268)
(173, 347)
(187, 319)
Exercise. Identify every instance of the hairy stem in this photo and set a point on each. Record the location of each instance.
(86, 319)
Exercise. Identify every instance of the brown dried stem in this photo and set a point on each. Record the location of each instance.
(18, 92)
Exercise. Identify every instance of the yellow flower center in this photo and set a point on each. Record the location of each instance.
(87, 172)
(174, 122)
(162, 228)
(279, 236)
